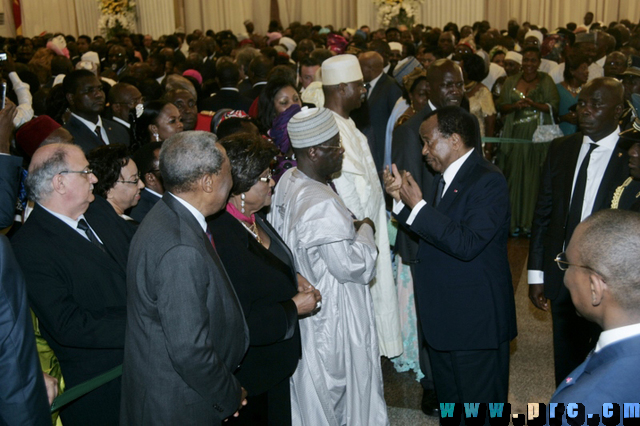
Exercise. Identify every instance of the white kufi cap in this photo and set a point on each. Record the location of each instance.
(341, 69)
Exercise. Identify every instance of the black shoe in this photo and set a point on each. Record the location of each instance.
(430, 404)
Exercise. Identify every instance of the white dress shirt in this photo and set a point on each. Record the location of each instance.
(121, 121)
(448, 176)
(609, 337)
(595, 172)
(195, 212)
(74, 223)
(92, 127)
(372, 84)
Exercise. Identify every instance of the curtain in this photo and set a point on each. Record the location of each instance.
(87, 15)
(156, 17)
(335, 12)
(51, 16)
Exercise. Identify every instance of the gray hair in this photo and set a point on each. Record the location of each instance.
(187, 156)
(39, 181)
(178, 82)
(610, 245)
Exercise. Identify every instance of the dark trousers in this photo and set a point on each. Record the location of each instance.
(423, 352)
(272, 408)
(471, 376)
(573, 336)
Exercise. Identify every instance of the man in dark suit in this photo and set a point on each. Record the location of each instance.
(446, 88)
(86, 100)
(579, 177)
(186, 332)
(147, 158)
(228, 96)
(603, 278)
(382, 93)
(462, 281)
(73, 252)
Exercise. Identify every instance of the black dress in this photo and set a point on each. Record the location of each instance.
(265, 282)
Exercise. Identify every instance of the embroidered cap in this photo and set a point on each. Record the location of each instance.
(311, 127)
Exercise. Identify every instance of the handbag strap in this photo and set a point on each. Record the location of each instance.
(551, 114)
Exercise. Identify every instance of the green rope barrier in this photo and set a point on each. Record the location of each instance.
(84, 388)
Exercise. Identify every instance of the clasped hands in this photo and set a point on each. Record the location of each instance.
(401, 186)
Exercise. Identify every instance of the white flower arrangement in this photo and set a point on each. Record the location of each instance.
(390, 10)
(116, 15)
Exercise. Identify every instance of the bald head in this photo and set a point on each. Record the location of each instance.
(372, 65)
(609, 242)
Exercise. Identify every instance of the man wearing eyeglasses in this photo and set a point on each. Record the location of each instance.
(603, 278)
(73, 251)
(86, 100)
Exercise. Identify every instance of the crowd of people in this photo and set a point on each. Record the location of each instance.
(245, 223)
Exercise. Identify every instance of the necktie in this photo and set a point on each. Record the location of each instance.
(210, 236)
(99, 133)
(368, 87)
(575, 210)
(83, 226)
(439, 191)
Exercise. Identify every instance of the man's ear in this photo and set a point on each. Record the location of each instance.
(456, 139)
(207, 182)
(69, 97)
(58, 184)
(598, 289)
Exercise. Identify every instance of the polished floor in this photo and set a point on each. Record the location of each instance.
(531, 369)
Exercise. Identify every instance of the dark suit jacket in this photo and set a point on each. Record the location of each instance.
(265, 291)
(255, 91)
(552, 208)
(10, 169)
(225, 99)
(147, 201)
(372, 117)
(463, 281)
(78, 293)
(87, 140)
(406, 153)
(609, 376)
(186, 332)
(23, 398)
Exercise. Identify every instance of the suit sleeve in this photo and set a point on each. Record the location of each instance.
(71, 324)
(486, 213)
(541, 217)
(9, 180)
(182, 292)
(406, 152)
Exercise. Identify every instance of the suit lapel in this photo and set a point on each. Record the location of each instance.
(570, 168)
(616, 172)
(459, 183)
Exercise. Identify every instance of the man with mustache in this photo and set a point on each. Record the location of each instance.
(579, 178)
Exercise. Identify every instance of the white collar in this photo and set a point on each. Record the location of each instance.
(235, 89)
(260, 83)
(373, 83)
(386, 69)
(73, 224)
(153, 192)
(121, 121)
(601, 61)
(609, 337)
(432, 106)
(195, 212)
(89, 124)
(159, 79)
(453, 169)
(608, 142)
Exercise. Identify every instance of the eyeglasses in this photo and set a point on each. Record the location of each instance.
(267, 178)
(82, 172)
(563, 264)
(133, 182)
(339, 146)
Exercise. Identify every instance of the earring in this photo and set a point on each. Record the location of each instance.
(156, 137)
(242, 202)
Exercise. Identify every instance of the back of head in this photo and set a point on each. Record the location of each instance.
(454, 119)
(45, 164)
(610, 245)
(186, 157)
(259, 68)
(145, 157)
(118, 92)
(228, 74)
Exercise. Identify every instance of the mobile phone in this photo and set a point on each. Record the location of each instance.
(3, 92)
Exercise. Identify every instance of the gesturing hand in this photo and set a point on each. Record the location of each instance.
(392, 181)
(410, 192)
